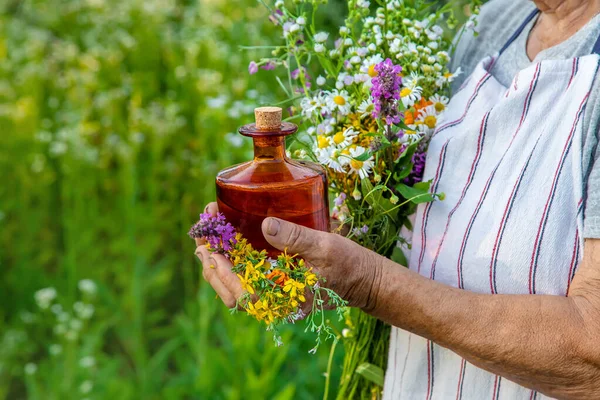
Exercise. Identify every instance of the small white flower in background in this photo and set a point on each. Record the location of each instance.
(339, 100)
(76, 324)
(433, 45)
(58, 148)
(344, 30)
(372, 47)
(348, 42)
(217, 102)
(83, 311)
(55, 349)
(321, 81)
(87, 286)
(63, 317)
(56, 309)
(27, 317)
(448, 77)
(60, 329)
(363, 3)
(288, 154)
(301, 21)
(362, 168)
(234, 139)
(43, 137)
(356, 194)
(86, 387)
(45, 297)
(87, 362)
(321, 37)
(319, 48)
(339, 85)
(71, 336)
(30, 368)
(346, 332)
(138, 137)
(294, 28)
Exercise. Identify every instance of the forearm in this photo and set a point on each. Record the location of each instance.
(541, 342)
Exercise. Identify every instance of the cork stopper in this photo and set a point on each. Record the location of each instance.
(268, 118)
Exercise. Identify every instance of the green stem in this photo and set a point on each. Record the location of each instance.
(329, 365)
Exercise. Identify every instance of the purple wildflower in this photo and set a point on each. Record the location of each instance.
(340, 199)
(416, 174)
(270, 65)
(386, 91)
(275, 17)
(252, 68)
(217, 232)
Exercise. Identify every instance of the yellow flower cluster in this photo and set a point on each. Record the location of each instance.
(276, 288)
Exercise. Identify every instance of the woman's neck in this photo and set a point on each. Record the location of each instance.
(559, 20)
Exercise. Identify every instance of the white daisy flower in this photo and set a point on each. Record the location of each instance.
(366, 108)
(330, 158)
(439, 102)
(410, 95)
(368, 65)
(339, 100)
(427, 119)
(323, 143)
(362, 168)
(321, 37)
(344, 138)
(448, 77)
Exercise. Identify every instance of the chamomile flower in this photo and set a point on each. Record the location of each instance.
(338, 100)
(362, 168)
(366, 108)
(323, 142)
(312, 105)
(344, 138)
(427, 119)
(369, 63)
(447, 77)
(409, 95)
(331, 158)
(439, 102)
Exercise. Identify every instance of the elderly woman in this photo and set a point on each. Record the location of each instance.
(502, 295)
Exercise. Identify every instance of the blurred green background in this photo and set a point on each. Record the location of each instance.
(115, 116)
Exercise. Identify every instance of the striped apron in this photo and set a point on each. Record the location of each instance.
(509, 160)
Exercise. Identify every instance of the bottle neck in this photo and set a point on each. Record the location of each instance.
(269, 148)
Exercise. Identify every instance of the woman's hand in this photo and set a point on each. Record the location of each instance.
(352, 271)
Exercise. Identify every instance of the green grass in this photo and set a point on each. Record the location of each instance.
(114, 118)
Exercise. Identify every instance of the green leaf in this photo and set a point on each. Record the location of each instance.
(399, 257)
(364, 156)
(417, 194)
(371, 373)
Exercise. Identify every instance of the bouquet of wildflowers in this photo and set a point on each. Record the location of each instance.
(369, 98)
(276, 290)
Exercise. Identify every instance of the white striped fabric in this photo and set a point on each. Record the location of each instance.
(509, 162)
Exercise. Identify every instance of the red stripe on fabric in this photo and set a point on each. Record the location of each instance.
(460, 379)
(480, 140)
(537, 243)
(526, 103)
(573, 71)
(495, 394)
(471, 99)
(428, 205)
(533, 395)
(573, 261)
(429, 372)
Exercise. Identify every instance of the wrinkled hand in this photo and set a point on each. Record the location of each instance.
(349, 269)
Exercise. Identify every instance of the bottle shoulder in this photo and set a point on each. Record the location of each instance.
(265, 173)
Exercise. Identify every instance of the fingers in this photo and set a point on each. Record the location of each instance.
(209, 273)
(297, 239)
(227, 277)
(211, 208)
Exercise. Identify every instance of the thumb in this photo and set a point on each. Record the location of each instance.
(296, 238)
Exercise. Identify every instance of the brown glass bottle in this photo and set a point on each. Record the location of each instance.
(272, 185)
